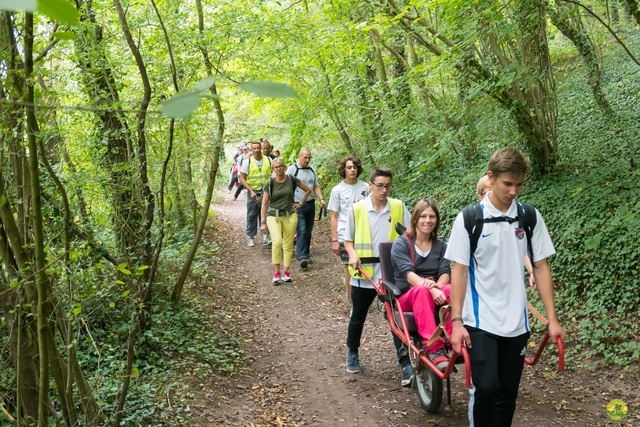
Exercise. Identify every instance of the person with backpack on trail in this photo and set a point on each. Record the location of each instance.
(246, 154)
(278, 214)
(488, 244)
(422, 274)
(307, 210)
(254, 174)
(483, 187)
(235, 169)
(267, 149)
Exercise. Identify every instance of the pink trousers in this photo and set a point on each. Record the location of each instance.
(420, 301)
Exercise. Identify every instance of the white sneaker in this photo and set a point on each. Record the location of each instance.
(276, 278)
(251, 243)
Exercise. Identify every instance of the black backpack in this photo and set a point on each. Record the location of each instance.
(474, 220)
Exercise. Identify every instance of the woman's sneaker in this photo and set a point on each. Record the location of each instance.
(439, 357)
(286, 276)
(276, 278)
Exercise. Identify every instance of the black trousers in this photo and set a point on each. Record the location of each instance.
(496, 369)
(362, 298)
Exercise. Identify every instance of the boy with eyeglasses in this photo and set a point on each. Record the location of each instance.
(370, 222)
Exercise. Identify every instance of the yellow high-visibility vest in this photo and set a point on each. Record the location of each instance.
(258, 177)
(362, 241)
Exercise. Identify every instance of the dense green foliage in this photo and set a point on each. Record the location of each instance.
(590, 205)
(430, 89)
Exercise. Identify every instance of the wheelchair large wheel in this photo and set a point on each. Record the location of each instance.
(429, 389)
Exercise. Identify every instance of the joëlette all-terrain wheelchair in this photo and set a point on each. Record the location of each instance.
(428, 379)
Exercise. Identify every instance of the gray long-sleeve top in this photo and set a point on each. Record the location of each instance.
(433, 265)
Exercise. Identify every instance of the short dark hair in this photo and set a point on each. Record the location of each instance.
(342, 166)
(508, 160)
(380, 171)
(420, 207)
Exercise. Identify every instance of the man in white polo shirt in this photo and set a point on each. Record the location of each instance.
(488, 298)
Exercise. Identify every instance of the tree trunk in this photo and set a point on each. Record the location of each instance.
(531, 100)
(13, 117)
(333, 111)
(41, 278)
(567, 19)
(176, 293)
(117, 154)
(400, 72)
(634, 9)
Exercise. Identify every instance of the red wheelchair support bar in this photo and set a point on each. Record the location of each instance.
(543, 344)
(403, 335)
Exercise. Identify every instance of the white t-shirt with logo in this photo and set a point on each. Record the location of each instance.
(342, 198)
(496, 299)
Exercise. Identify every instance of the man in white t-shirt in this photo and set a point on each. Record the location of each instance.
(488, 298)
(307, 211)
(343, 196)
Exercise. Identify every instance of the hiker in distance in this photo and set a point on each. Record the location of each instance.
(307, 210)
(254, 174)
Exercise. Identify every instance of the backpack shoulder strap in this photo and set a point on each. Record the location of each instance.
(270, 187)
(527, 220)
(412, 254)
(298, 170)
(293, 185)
(473, 222)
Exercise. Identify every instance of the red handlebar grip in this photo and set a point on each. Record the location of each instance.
(560, 343)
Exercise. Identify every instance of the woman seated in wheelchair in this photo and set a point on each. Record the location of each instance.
(422, 274)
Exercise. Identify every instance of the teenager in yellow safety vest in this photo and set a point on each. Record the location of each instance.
(362, 243)
(371, 222)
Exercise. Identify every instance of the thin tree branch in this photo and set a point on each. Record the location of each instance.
(613, 33)
(72, 108)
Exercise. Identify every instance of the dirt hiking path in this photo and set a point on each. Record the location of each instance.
(295, 334)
